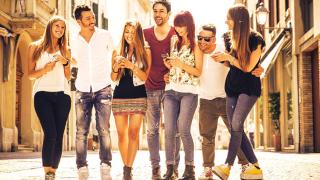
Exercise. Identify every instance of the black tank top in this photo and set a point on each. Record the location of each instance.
(240, 82)
(126, 89)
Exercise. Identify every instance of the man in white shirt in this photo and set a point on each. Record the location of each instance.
(212, 98)
(92, 48)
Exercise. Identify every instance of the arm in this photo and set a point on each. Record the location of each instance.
(35, 74)
(143, 75)
(115, 67)
(258, 71)
(254, 58)
(197, 70)
(67, 65)
(65, 61)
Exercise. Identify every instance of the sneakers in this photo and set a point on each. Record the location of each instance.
(206, 174)
(156, 173)
(83, 173)
(105, 171)
(222, 171)
(49, 176)
(250, 171)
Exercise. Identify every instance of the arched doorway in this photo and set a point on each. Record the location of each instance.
(28, 127)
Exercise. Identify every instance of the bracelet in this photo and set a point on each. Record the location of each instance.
(66, 64)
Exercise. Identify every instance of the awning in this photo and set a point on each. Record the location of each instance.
(270, 58)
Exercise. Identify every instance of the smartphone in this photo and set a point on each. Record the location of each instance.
(119, 59)
(164, 56)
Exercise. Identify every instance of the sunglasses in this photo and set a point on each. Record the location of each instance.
(207, 39)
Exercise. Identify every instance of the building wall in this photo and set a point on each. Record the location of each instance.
(26, 23)
(301, 45)
(305, 104)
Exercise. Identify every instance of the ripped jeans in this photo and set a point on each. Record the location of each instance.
(101, 100)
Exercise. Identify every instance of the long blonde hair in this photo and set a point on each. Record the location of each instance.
(139, 51)
(240, 33)
(46, 42)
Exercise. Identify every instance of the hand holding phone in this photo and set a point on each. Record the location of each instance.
(165, 56)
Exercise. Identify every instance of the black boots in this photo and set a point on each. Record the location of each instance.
(169, 174)
(127, 175)
(188, 173)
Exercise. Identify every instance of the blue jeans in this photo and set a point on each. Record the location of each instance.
(101, 100)
(238, 109)
(178, 110)
(153, 122)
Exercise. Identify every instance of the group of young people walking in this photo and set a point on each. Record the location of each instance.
(161, 67)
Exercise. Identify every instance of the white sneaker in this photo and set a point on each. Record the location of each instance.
(83, 173)
(206, 174)
(105, 171)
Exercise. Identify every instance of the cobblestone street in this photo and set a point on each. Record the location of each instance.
(275, 165)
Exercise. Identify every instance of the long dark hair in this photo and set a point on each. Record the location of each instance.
(240, 33)
(184, 18)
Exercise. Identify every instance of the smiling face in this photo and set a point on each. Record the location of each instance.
(129, 34)
(206, 40)
(58, 29)
(182, 31)
(87, 20)
(160, 14)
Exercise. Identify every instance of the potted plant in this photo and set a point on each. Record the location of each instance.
(274, 109)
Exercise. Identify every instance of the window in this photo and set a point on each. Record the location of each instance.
(104, 22)
(72, 8)
(277, 11)
(271, 14)
(287, 5)
(95, 9)
(307, 14)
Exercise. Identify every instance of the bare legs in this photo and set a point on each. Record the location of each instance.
(128, 128)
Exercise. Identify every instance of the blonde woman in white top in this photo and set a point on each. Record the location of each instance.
(49, 66)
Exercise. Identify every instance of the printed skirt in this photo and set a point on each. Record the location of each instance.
(129, 106)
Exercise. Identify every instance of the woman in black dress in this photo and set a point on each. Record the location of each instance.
(242, 89)
(130, 68)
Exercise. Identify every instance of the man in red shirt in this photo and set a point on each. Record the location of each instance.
(158, 37)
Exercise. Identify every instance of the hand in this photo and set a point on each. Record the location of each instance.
(124, 63)
(167, 63)
(60, 58)
(220, 56)
(175, 62)
(49, 66)
(166, 78)
(117, 61)
(258, 71)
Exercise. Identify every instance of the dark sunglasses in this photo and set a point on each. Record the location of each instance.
(207, 39)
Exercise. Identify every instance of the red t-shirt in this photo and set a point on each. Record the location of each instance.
(158, 69)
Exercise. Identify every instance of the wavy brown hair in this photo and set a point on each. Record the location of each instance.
(240, 33)
(138, 49)
(45, 43)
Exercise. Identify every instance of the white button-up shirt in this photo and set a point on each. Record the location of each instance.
(93, 60)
